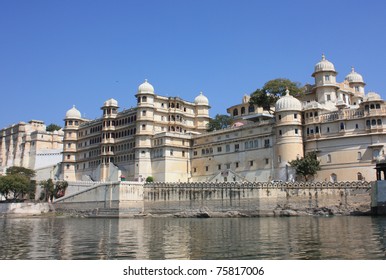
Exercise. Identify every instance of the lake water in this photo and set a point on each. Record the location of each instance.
(177, 238)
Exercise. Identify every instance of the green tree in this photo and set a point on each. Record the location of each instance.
(219, 122)
(52, 127)
(306, 167)
(17, 183)
(272, 90)
(29, 173)
(48, 189)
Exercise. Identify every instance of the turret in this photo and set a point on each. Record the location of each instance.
(289, 141)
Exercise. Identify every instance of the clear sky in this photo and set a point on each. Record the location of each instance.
(55, 54)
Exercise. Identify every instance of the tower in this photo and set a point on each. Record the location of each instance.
(71, 124)
(145, 130)
(356, 82)
(110, 111)
(289, 141)
(325, 82)
(201, 112)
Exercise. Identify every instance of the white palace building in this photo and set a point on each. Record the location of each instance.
(166, 138)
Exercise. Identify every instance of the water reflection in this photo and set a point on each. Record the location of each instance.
(172, 238)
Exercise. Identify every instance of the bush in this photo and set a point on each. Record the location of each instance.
(149, 179)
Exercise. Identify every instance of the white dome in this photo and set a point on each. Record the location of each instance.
(111, 103)
(288, 103)
(372, 96)
(324, 65)
(73, 113)
(146, 88)
(354, 77)
(201, 100)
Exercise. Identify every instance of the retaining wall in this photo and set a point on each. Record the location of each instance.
(252, 199)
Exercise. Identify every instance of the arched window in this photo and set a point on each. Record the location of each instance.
(379, 122)
(333, 178)
(359, 176)
(235, 112)
(144, 98)
(242, 110)
(251, 109)
(373, 122)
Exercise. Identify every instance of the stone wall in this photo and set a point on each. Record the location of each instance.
(256, 199)
(219, 199)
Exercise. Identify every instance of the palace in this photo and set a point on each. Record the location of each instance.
(29, 145)
(166, 138)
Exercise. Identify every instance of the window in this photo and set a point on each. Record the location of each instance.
(235, 112)
(327, 78)
(195, 153)
(279, 117)
(379, 122)
(68, 156)
(328, 97)
(373, 122)
(356, 126)
(207, 168)
(144, 113)
(219, 167)
(333, 178)
(171, 152)
(237, 146)
(359, 176)
(296, 131)
(228, 166)
(143, 126)
(183, 153)
(144, 98)
(295, 116)
(194, 169)
(242, 110)
(279, 159)
(356, 88)
(280, 133)
(267, 161)
(251, 163)
(359, 156)
(328, 158)
(266, 143)
(227, 148)
(219, 149)
(251, 109)
(341, 126)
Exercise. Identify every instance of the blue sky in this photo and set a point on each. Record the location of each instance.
(54, 54)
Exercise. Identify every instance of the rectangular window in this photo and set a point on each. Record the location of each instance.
(219, 149)
(207, 168)
(251, 163)
(267, 161)
(227, 148)
(359, 157)
(194, 169)
(237, 165)
(295, 116)
(266, 143)
(237, 146)
(328, 97)
(296, 131)
(327, 78)
(183, 153)
(228, 165)
(219, 167)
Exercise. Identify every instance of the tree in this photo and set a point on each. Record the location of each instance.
(60, 188)
(48, 189)
(52, 127)
(306, 167)
(29, 173)
(149, 179)
(272, 90)
(219, 122)
(17, 183)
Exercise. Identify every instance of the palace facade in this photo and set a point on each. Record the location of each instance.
(166, 138)
(29, 145)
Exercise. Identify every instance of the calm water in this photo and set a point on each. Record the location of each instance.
(174, 238)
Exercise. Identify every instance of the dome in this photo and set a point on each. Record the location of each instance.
(354, 77)
(324, 65)
(146, 88)
(111, 103)
(73, 113)
(201, 100)
(373, 96)
(288, 103)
